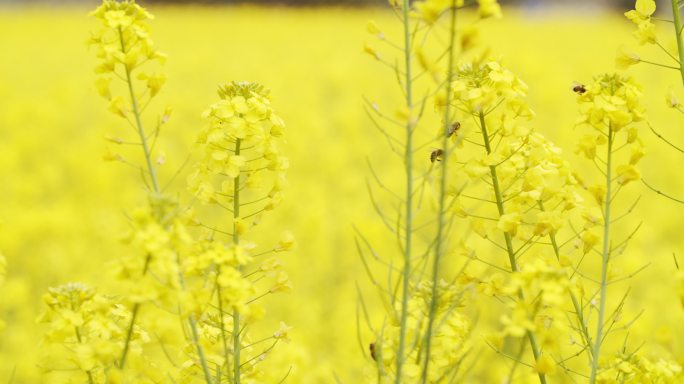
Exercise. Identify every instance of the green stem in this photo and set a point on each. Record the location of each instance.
(507, 236)
(408, 164)
(200, 350)
(138, 121)
(236, 241)
(575, 302)
(129, 335)
(134, 316)
(155, 185)
(605, 259)
(224, 338)
(678, 33)
(661, 65)
(439, 243)
(193, 330)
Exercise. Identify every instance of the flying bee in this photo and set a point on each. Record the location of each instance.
(371, 348)
(436, 155)
(579, 88)
(454, 127)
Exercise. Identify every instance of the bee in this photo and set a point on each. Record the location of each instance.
(371, 348)
(579, 89)
(454, 127)
(436, 155)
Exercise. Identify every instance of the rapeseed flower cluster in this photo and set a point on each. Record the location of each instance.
(632, 367)
(123, 44)
(153, 274)
(85, 334)
(210, 286)
(531, 185)
(514, 185)
(241, 171)
(611, 105)
(159, 233)
(240, 144)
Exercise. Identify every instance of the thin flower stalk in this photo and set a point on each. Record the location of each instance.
(151, 169)
(439, 247)
(507, 237)
(236, 242)
(605, 257)
(408, 214)
(240, 158)
(579, 312)
(121, 44)
(610, 106)
(677, 23)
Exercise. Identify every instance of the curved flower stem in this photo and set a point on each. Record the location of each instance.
(605, 255)
(408, 164)
(439, 243)
(678, 33)
(236, 241)
(507, 237)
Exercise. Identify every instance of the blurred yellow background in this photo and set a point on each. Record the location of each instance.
(63, 209)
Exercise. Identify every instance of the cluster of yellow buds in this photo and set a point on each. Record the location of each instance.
(611, 105)
(85, 334)
(240, 143)
(535, 181)
(123, 44)
(480, 86)
(632, 367)
(159, 232)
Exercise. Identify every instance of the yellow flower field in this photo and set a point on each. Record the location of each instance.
(72, 204)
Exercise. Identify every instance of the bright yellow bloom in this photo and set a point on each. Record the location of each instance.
(627, 173)
(509, 223)
(283, 332)
(545, 364)
(84, 330)
(646, 8)
(489, 8)
(286, 243)
(624, 60)
(102, 87)
(116, 106)
(589, 240)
